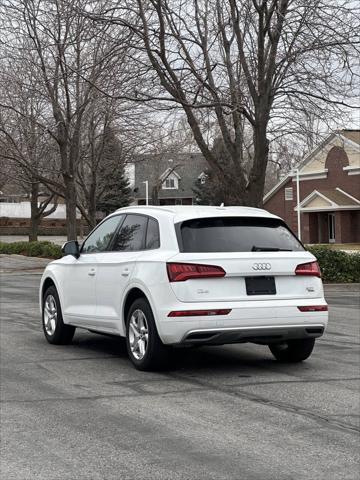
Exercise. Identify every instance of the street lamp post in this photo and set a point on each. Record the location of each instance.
(147, 191)
(298, 202)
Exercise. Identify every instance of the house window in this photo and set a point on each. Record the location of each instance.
(202, 178)
(289, 193)
(170, 183)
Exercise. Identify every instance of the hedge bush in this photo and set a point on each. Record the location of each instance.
(31, 249)
(337, 266)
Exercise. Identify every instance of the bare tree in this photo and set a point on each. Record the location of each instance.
(251, 64)
(26, 149)
(69, 55)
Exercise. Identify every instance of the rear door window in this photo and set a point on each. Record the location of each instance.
(152, 234)
(131, 235)
(236, 234)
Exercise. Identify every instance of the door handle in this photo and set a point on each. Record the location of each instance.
(92, 272)
(125, 272)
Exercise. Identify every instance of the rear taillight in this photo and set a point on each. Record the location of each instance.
(313, 308)
(179, 272)
(199, 313)
(311, 268)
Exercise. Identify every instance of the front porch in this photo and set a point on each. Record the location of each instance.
(330, 216)
(339, 226)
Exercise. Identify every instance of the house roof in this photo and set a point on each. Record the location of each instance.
(168, 172)
(347, 136)
(353, 135)
(339, 197)
(335, 199)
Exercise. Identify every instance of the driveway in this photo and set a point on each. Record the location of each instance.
(81, 412)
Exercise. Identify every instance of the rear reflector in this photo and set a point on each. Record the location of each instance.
(314, 308)
(179, 272)
(199, 313)
(311, 268)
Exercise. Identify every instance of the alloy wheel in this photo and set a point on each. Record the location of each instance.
(50, 315)
(138, 334)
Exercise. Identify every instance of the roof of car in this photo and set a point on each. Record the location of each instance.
(185, 212)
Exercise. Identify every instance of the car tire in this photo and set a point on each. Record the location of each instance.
(293, 351)
(144, 346)
(55, 331)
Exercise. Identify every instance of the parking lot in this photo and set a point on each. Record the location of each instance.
(231, 412)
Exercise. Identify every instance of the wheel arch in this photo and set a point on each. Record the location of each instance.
(46, 282)
(131, 295)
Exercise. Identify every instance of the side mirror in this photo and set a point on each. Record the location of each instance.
(71, 248)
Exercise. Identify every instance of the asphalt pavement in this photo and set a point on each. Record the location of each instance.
(82, 412)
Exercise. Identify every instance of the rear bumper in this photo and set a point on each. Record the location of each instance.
(251, 321)
(259, 334)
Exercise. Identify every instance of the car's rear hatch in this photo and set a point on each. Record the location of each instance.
(260, 259)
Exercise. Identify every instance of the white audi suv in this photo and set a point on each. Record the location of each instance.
(195, 275)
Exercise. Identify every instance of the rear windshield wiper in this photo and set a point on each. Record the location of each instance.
(269, 249)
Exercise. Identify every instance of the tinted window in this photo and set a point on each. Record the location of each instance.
(99, 239)
(236, 234)
(152, 234)
(131, 235)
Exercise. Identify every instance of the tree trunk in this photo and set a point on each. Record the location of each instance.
(255, 189)
(92, 200)
(92, 211)
(34, 219)
(234, 193)
(81, 228)
(34, 229)
(70, 189)
(155, 195)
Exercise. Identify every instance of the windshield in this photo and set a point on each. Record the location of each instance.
(236, 234)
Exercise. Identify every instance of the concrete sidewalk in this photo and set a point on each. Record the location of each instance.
(20, 263)
(58, 239)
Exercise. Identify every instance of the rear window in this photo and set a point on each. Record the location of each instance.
(235, 234)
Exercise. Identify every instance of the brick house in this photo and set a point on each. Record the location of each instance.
(329, 192)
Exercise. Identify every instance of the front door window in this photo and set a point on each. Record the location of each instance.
(331, 226)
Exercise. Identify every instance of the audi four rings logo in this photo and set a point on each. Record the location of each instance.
(261, 266)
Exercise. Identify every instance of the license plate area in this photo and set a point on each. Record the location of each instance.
(260, 285)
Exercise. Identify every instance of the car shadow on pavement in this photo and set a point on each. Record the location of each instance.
(220, 358)
(100, 344)
(242, 358)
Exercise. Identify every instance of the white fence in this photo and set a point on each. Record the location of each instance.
(23, 210)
